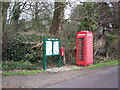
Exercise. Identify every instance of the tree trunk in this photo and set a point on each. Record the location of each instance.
(9, 35)
(56, 28)
(5, 6)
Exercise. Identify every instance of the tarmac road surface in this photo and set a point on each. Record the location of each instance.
(107, 78)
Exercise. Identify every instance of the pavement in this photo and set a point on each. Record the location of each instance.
(63, 68)
(107, 78)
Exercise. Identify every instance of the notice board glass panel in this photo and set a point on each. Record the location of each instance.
(48, 47)
(55, 47)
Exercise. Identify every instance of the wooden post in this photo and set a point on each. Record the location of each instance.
(64, 60)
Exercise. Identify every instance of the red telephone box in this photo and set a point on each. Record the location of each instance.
(84, 48)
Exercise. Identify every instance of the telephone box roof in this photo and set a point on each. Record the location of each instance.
(85, 32)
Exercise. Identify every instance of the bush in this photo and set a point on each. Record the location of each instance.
(21, 65)
(23, 53)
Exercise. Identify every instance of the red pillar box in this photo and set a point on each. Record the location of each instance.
(62, 51)
(84, 45)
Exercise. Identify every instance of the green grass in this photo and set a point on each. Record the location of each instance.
(24, 72)
(75, 69)
(100, 65)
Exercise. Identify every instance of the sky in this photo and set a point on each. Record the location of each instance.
(68, 9)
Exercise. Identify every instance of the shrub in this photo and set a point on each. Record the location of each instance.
(23, 51)
(19, 66)
(23, 54)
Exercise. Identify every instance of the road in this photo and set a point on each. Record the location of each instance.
(107, 78)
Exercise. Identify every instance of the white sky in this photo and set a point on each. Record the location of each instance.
(68, 8)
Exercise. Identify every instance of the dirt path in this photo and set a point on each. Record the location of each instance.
(43, 79)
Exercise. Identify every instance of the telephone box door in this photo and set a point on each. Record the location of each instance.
(80, 49)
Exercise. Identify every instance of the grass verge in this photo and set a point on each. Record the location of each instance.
(75, 69)
(100, 65)
(24, 72)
